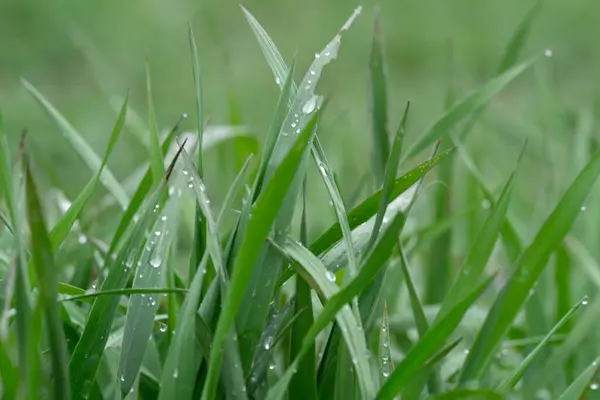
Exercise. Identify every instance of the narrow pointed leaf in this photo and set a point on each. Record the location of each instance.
(156, 158)
(578, 389)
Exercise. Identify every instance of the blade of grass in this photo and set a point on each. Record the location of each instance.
(415, 302)
(378, 104)
(265, 211)
(584, 382)
(386, 364)
(563, 282)
(480, 394)
(81, 147)
(431, 343)
(517, 374)
(45, 270)
(533, 262)
(156, 158)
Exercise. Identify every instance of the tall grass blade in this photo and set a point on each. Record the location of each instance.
(386, 364)
(156, 158)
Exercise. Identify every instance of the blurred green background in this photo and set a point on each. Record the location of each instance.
(80, 53)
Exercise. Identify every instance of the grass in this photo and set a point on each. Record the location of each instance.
(186, 297)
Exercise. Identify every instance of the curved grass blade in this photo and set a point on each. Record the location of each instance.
(584, 382)
(43, 261)
(150, 273)
(180, 368)
(466, 107)
(431, 343)
(83, 149)
(372, 265)
(515, 292)
(265, 211)
(517, 374)
(378, 107)
(386, 364)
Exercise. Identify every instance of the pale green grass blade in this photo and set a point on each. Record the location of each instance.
(80, 294)
(533, 262)
(389, 177)
(431, 343)
(63, 226)
(313, 271)
(515, 46)
(150, 273)
(198, 93)
(156, 158)
(415, 301)
(378, 108)
(45, 270)
(583, 384)
(465, 107)
(233, 191)
(81, 147)
(517, 374)
(265, 211)
(180, 367)
(480, 251)
(386, 364)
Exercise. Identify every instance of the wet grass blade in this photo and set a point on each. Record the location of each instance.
(468, 394)
(65, 223)
(415, 302)
(585, 381)
(156, 158)
(431, 343)
(378, 107)
(265, 211)
(517, 374)
(465, 107)
(45, 271)
(386, 364)
(81, 147)
(533, 262)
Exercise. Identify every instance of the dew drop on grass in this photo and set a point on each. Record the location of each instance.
(162, 327)
(317, 55)
(271, 367)
(548, 53)
(310, 105)
(312, 72)
(122, 378)
(323, 169)
(155, 261)
(583, 208)
(594, 386)
(584, 302)
(486, 204)
(330, 276)
(277, 80)
(163, 218)
(293, 124)
(185, 172)
(386, 373)
(175, 373)
(185, 115)
(82, 239)
(466, 351)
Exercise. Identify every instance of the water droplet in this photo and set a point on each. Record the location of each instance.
(595, 363)
(164, 218)
(155, 261)
(184, 171)
(272, 367)
(385, 344)
(327, 54)
(185, 115)
(268, 343)
(584, 302)
(153, 302)
(293, 124)
(277, 80)
(122, 378)
(594, 386)
(583, 208)
(548, 53)
(297, 131)
(175, 373)
(330, 276)
(317, 55)
(310, 105)
(162, 327)
(190, 185)
(82, 239)
(467, 351)
(485, 204)
(295, 115)
(323, 169)
(157, 233)
(312, 72)
(386, 373)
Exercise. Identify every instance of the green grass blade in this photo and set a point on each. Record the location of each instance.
(517, 374)
(372, 265)
(156, 159)
(265, 211)
(585, 381)
(45, 270)
(378, 107)
(468, 394)
(481, 250)
(81, 147)
(9, 373)
(431, 343)
(63, 226)
(234, 190)
(415, 302)
(386, 364)
(180, 367)
(465, 107)
(515, 46)
(150, 273)
(533, 262)
(80, 294)
(389, 177)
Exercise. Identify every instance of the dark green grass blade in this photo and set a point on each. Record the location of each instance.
(265, 211)
(465, 107)
(386, 364)
(517, 374)
(415, 301)
(81, 147)
(378, 107)
(482, 394)
(156, 158)
(372, 265)
(65, 223)
(580, 387)
(533, 262)
(431, 343)
(150, 273)
(304, 382)
(45, 270)
(473, 267)
(180, 367)
(389, 177)
(9, 374)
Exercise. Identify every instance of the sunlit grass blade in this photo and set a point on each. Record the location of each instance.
(465, 107)
(516, 375)
(180, 367)
(533, 262)
(150, 273)
(378, 107)
(63, 226)
(583, 384)
(265, 211)
(81, 147)
(46, 276)
(480, 251)
(429, 345)
(156, 158)
(386, 364)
